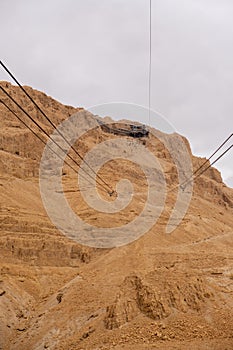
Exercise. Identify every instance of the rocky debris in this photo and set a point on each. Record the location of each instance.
(156, 301)
(20, 314)
(82, 253)
(87, 333)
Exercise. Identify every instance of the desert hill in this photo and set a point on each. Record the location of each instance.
(159, 292)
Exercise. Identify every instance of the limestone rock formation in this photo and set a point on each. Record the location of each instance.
(162, 291)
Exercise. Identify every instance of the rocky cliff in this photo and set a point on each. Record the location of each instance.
(159, 292)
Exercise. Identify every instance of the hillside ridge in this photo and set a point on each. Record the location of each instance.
(162, 291)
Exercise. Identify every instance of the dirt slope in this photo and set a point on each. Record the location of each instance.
(160, 292)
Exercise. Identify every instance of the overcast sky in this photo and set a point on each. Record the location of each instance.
(89, 52)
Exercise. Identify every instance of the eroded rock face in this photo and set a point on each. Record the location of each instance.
(57, 294)
(20, 150)
(157, 298)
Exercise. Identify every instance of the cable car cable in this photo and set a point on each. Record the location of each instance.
(40, 138)
(54, 126)
(45, 132)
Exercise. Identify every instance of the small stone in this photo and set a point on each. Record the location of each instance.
(20, 314)
(158, 334)
(59, 297)
(21, 329)
(164, 337)
(84, 336)
(2, 292)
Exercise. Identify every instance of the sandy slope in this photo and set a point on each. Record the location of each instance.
(159, 292)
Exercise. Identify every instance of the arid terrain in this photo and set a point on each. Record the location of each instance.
(162, 291)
